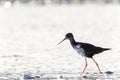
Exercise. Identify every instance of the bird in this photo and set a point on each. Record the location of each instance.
(86, 50)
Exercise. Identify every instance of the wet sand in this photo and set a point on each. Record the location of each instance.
(61, 76)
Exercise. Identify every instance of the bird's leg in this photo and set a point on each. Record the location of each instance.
(97, 65)
(85, 65)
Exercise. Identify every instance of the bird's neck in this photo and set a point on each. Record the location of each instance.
(72, 41)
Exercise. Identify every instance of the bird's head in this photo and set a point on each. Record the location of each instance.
(67, 36)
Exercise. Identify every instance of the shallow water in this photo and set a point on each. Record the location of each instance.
(29, 37)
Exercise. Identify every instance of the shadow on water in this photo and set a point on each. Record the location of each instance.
(109, 75)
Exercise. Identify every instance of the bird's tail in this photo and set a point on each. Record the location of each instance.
(105, 49)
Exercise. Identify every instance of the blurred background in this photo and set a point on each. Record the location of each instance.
(9, 3)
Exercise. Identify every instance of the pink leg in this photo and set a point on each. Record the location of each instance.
(96, 65)
(85, 65)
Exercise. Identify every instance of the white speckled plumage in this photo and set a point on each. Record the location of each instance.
(79, 50)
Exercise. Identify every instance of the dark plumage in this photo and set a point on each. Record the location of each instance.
(84, 49)
(91, 50)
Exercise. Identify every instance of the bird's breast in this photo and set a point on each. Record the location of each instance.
(79, 50)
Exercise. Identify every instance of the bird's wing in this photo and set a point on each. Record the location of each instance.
(89, 48)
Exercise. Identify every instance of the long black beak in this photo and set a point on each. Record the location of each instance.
(62, 41)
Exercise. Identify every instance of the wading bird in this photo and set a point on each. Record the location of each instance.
(85, 49)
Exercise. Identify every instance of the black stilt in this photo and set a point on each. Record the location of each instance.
(85, 49)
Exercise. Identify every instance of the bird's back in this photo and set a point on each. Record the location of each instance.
(90, 49)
